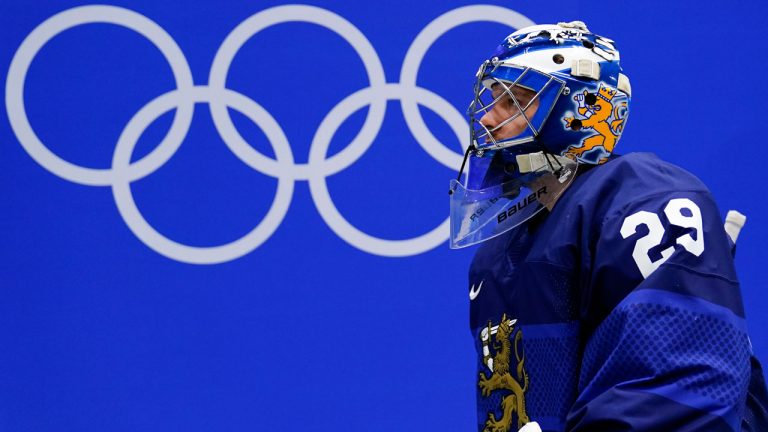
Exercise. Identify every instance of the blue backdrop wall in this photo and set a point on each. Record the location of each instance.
(232, 215)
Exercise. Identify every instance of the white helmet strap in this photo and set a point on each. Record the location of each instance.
(531, 162)
(585, 68)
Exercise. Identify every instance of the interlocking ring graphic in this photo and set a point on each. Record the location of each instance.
(183, 99)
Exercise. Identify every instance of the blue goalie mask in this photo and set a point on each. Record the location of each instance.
(551, 97)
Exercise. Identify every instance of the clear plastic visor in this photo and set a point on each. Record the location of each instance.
(481, 214)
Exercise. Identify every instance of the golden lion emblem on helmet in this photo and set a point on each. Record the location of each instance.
(596, 109)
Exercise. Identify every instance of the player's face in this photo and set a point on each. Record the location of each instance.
(506, 108)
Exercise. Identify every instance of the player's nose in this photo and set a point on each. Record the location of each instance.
(491, 118)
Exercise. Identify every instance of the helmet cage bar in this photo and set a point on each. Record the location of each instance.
(475, 122)
(486, 133)
(472, 111)
(481, 88)
(521, 111)
(483, 136)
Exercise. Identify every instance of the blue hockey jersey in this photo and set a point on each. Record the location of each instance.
(619, 310)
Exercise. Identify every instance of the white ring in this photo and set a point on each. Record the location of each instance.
(415, 55)
(300, 13)
(283, 168)
(17, 74)
(319, 188)
(121, 188)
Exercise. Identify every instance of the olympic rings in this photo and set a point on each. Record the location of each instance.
(183, 99)
(319, 189)
(17, 74)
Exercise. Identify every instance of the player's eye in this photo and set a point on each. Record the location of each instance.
(506, 101)
(524, 97)
(506, 96)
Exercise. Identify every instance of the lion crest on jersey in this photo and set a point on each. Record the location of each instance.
(601, 113)
(500, 378)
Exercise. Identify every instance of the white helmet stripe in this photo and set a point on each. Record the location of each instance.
(543, 61)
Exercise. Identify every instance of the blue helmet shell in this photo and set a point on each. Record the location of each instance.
(584, 96)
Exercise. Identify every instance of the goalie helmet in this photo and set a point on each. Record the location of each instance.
(551, 97)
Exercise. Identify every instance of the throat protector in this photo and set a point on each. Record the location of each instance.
(486, 212)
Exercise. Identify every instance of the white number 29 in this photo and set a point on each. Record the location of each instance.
(674, 213)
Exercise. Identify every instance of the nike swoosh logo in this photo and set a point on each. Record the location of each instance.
(472, 293)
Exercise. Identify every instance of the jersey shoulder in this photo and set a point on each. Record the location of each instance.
(659, 228)
(628, 179)
(605, 194)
